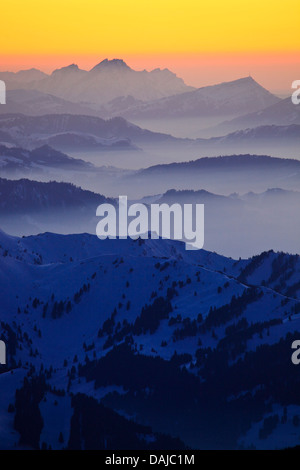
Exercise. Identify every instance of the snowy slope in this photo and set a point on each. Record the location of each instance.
(95, 280)
(234, 98)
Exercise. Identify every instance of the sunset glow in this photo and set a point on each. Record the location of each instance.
(256, 37)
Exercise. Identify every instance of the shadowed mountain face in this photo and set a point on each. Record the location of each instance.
(28, 207)
(27, 196)
(117, 308)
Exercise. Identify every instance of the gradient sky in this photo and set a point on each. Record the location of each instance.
(203, 41)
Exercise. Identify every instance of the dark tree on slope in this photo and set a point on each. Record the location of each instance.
(28, 419)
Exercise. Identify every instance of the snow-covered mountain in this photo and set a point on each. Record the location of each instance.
(198, 336)
(140, 344)
(233, 98)
(108, 80)
(112, 88)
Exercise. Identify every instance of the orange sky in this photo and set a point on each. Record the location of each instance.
(202, 41)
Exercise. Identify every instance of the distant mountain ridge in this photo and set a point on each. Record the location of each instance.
(14, 79)
(222, 175)
(230, 98)
(104, 82)
(29, 207)
(35, 103)
(229, 162)
(14, 159)
(155, 94)
(34, 196)
(282, 113)
(75, 132)
(273, 140)
(60, 129)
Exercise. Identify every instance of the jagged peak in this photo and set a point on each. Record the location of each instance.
(68, 68)
(165, 71)
(111, 63)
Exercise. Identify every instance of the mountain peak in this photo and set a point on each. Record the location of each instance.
(32, 70)
(239, 81)
(68, 68)
(164, 71)
(248, 79)
(114, 63)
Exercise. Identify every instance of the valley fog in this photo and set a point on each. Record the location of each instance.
(99, 331)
